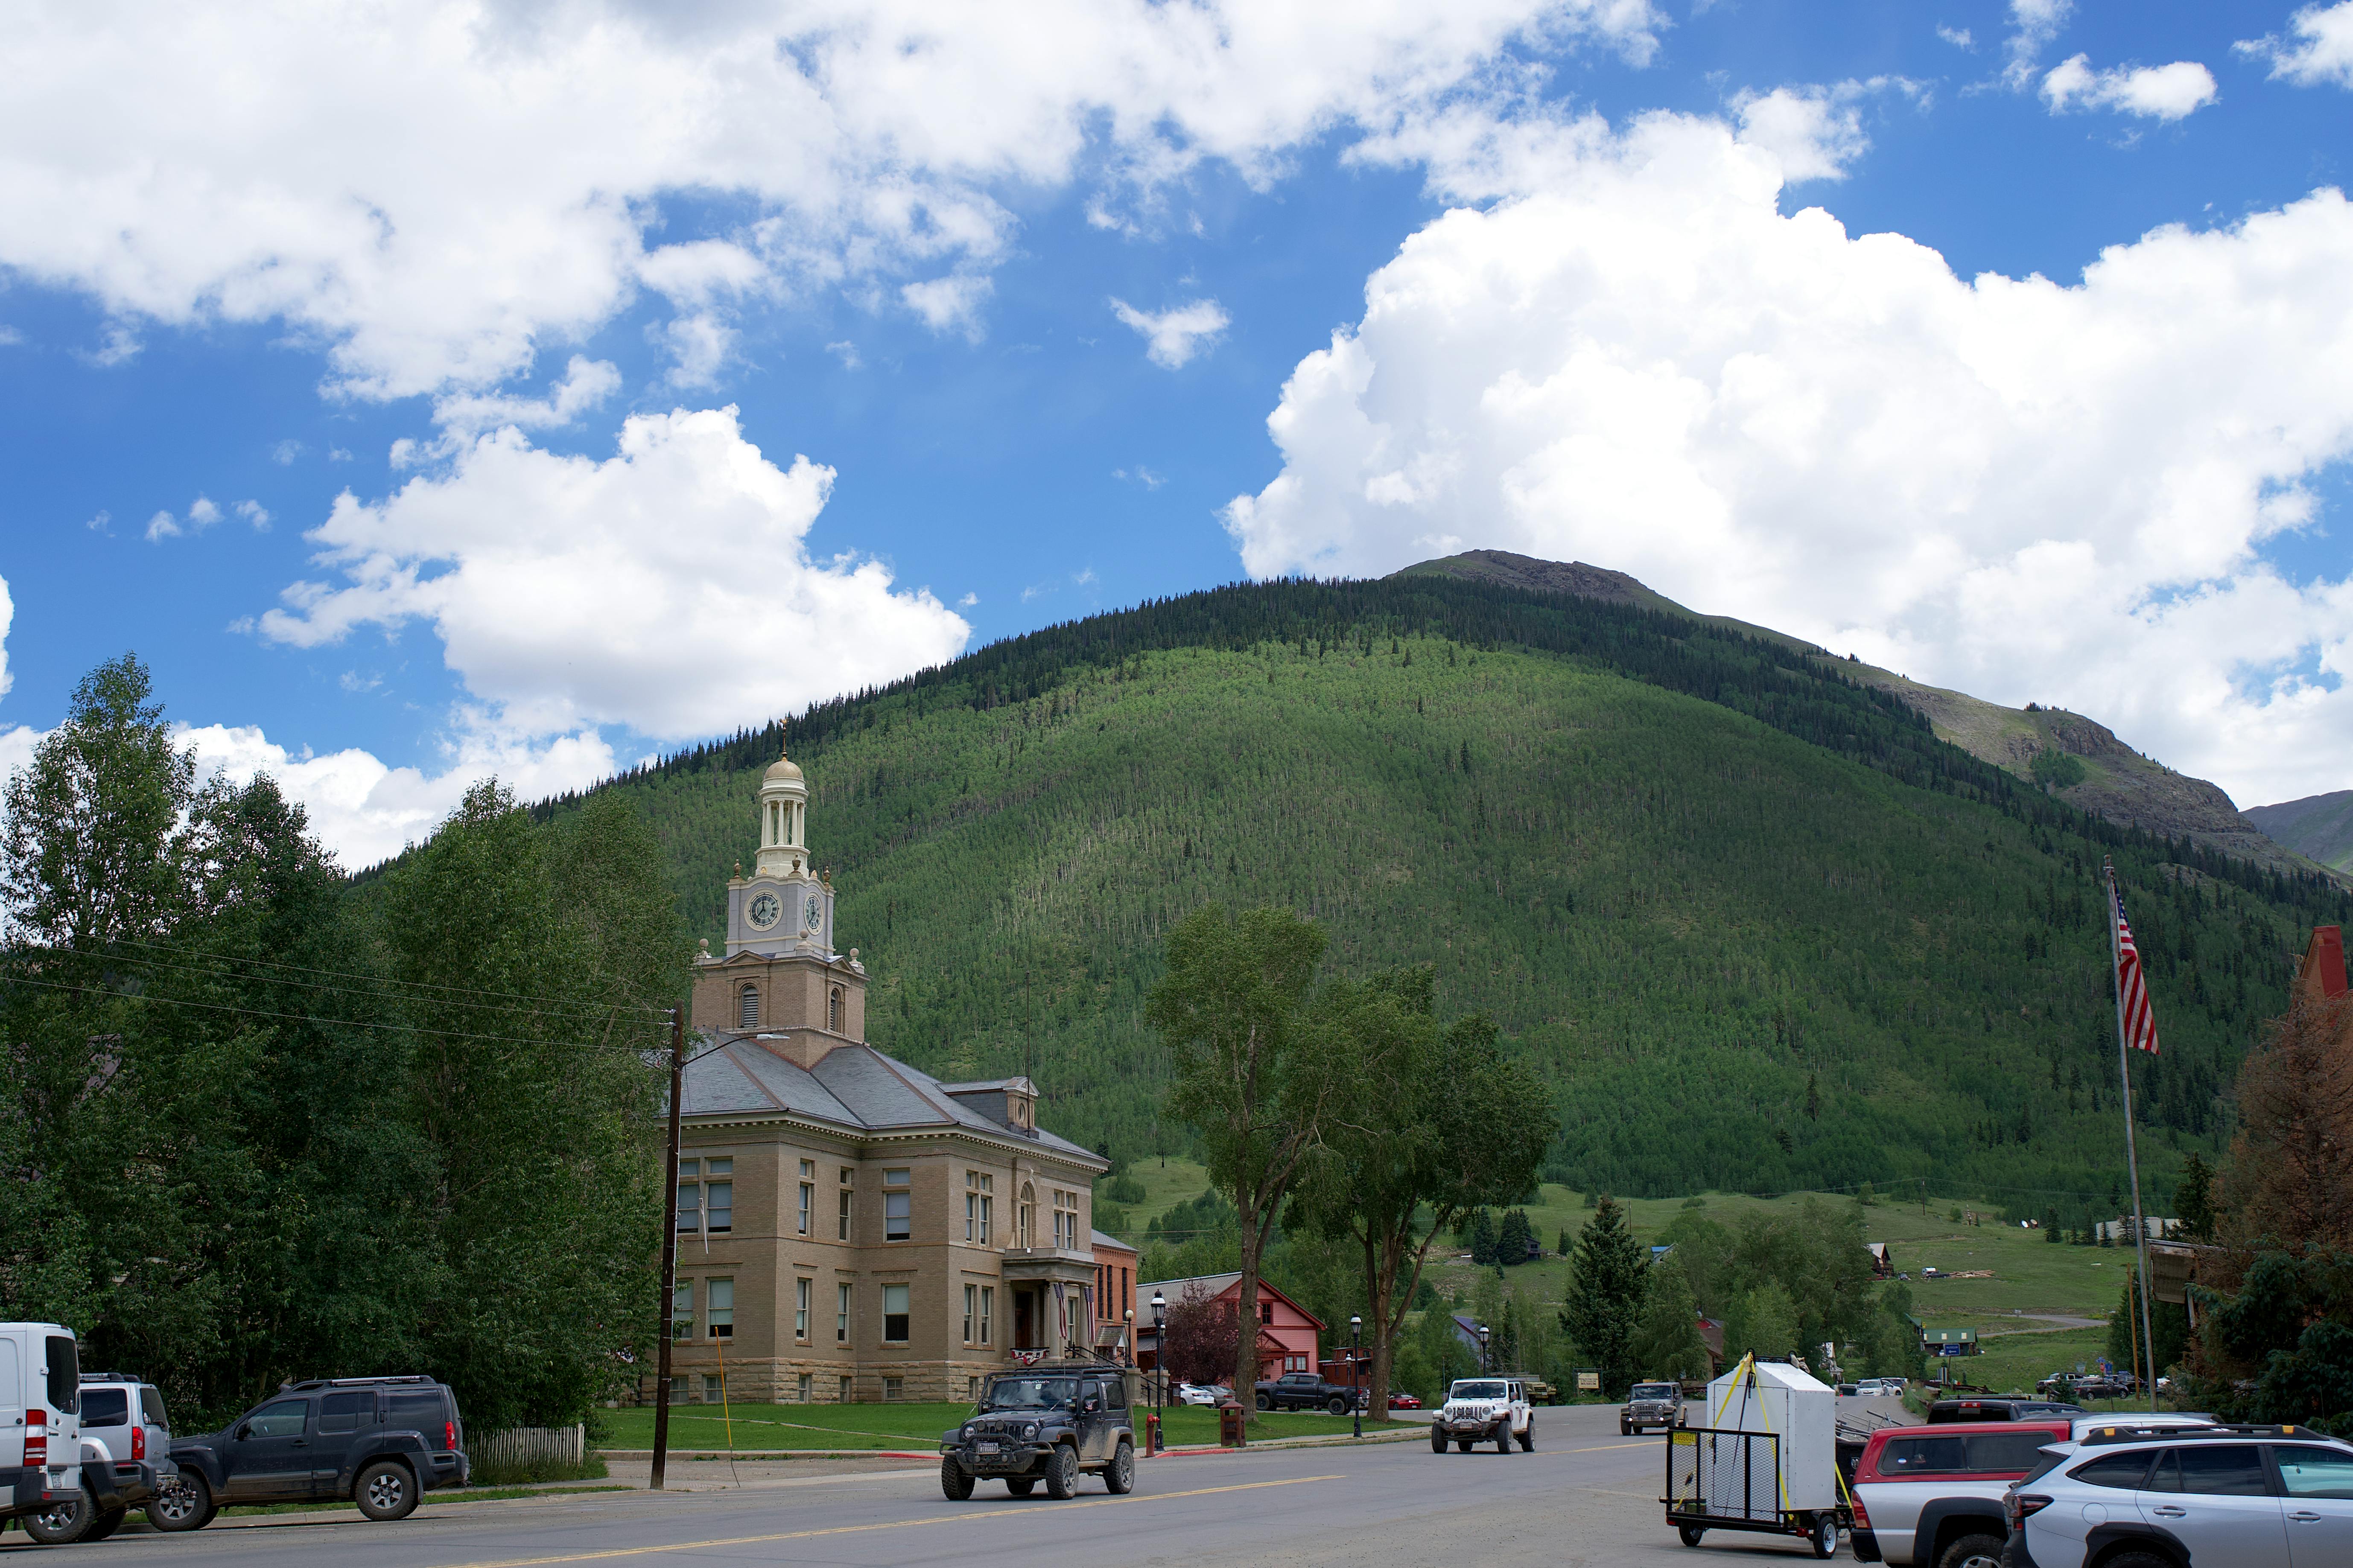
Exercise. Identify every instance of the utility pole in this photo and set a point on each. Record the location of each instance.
(669, 1253)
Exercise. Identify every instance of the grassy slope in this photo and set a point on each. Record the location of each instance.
(2319, 826)
(1682, 914)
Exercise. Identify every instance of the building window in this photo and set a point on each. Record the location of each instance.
(849, 1390)
(971, 1390)
(689, 1194)
(715, 1390)
(719, 1307)
(682, 1310)
(842, 1314)
(978, 1200)
(1266, 1313)
(678, 1389)
(895, 1314)
(1025, 1217)
(747, 1008)
(801, 1289)
(719, 1198)
(898, 1207)
(809, 1201)
(833, 1010)
(1066, 1220)
(988, 1309)
(803, 1391)
(893, 1389)
(845, 1213)
(971, 1310)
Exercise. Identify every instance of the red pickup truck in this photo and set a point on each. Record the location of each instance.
(1931, 1496)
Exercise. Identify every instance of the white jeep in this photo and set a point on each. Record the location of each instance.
(1485, 1409)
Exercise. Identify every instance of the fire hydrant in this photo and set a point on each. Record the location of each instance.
(1152, 1443)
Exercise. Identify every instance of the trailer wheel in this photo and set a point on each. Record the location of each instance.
(1691, 1534)
(1825, 1535)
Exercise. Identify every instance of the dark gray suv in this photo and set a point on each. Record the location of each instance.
(382, 1442)
(1051, 1423)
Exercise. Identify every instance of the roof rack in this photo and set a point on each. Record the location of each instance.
(2126, 1433)
(311, 1383)
(112, 1377)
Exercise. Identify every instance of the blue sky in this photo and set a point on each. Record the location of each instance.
(252, 269)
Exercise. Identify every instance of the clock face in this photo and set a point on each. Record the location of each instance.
(815, 913)
(765, 909)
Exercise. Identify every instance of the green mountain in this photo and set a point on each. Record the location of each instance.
(2318, 825)
(2116, 782)
(1760, 927)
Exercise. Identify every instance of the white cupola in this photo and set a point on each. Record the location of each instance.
(784, 821)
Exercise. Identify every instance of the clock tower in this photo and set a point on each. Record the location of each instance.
(780, 977)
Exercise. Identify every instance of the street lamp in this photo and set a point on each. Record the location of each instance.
(1131, 1336)
(1356, 1335)
(1159, 1350)
(1483, 1351)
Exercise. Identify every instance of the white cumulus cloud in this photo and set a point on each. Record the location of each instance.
(2034, 24)
(667, 588)
(2019, 487)
(2153, 92)
(1175, 335)
(435, 189)
(2320, 49)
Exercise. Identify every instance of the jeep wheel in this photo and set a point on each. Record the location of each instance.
(1020, 1486)
(1437, 1441)
(61, 1525)
(183, 1503)
(1504, 1439)
(955, 1481)
(1691, 1534)
(1625, 1429)
(1972, 1552)
(1264, 1403)
(1119, 1476)
(385, 1492)
(1337, 1406)
(1062, 1473)
(1528, 1437)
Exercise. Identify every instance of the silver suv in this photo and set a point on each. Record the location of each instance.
(126, 1460)
(1650, 1405)
(2158, 1496)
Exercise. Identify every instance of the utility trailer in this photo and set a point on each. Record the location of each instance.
(1766, 1459)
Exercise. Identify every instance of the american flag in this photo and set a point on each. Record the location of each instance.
(2141, 1023)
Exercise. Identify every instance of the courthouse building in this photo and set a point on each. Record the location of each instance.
(850, 1228)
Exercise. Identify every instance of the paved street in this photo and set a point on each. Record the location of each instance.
(1585, 1496)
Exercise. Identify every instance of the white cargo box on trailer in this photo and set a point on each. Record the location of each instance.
(1799, 1411)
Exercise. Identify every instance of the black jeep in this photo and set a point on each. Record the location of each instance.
(382, 1442)
(1052, 1424)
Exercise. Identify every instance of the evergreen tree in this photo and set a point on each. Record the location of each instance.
(1481, 1238)
(1514, 1239)
(1605, 1295)
(1667, 1344)
(2193, 1198)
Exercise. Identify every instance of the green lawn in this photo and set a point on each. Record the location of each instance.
(909, 1425)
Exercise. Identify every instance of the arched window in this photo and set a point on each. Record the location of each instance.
(1026, 1217)
(747, 1008)
(833, 1010)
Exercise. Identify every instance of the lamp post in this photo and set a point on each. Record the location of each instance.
(1131, 1336)
(1356, 1335)
(1483, 1351)
(1159, 1350)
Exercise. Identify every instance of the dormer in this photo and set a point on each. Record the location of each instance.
(1011, 1102)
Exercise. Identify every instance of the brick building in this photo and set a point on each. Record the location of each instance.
(851, 1228)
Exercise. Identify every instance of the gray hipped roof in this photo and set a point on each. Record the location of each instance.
(854, 1086)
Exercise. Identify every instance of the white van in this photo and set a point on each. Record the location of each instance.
(40, 1419)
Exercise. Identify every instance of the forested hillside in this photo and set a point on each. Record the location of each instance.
(2319, 826)
(1758, 926)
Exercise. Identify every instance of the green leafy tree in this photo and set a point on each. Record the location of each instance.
(1605, 1294)
(1765, 1325)
(1667, 1343)
(1252, 1068)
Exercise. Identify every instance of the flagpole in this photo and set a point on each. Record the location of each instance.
(2132, 1160)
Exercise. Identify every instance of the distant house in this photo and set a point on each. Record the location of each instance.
(1949, 1342)
(1287, 1333)
(1114, 1294)
(1711, 1334)
(1466, 1333)
(1882, 1262)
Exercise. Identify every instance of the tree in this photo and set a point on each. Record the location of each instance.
(1514, 1239)
(1605, 1294)
(1667, 1343)
(2193, 1198)
(1199, 1338)
(1433, 1123)
(1251, 1068)
(2291, 1183)
(1765, 1325)
(2168, 1321)
(2056, 770)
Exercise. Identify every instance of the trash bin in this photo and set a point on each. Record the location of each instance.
(1229, 1426)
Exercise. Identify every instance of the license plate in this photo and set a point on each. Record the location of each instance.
(987, 1448)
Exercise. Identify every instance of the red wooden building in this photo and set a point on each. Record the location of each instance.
(1288, 1333)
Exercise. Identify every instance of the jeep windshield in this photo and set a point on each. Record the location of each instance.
(1030, 1393)
(1659, 1391)
(1477, 1391)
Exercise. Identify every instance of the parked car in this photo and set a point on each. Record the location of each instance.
(1401, 1400)
(1203, 1393)
(1931, 1496)
(1307, 1391)
(1049, 1423)
(1650, 1405)
(383, 1442)
(1996, 1407)
(2142, 1496)
(1485, 1409)
(126, 1444)
(1872, 1388)
(40, 1425)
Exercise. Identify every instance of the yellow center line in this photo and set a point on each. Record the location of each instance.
(1001, 1512)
